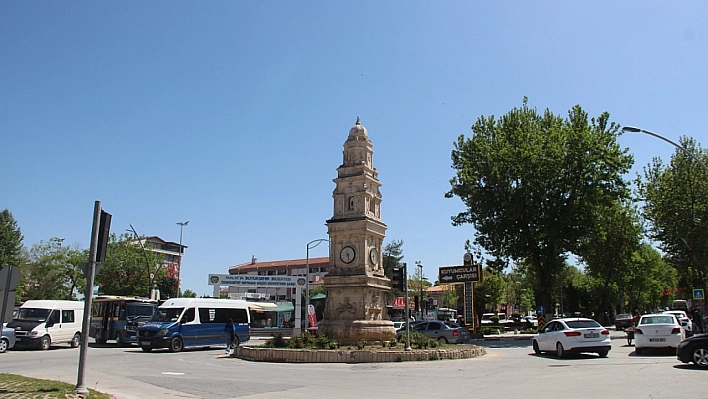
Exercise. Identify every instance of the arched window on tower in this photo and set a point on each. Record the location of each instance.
(351, 203)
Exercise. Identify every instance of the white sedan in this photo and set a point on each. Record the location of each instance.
(572, 335)
(657, 331)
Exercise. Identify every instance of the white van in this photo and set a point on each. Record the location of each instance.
(43, 323)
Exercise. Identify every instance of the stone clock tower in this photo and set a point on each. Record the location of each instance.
(355, 283)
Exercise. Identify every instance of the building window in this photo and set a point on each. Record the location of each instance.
(262, 273)
(313, 270)
(323, 269)
(271, 272)
(282, 272)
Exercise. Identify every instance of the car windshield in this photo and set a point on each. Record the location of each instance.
(452, 325)
(657, 320)
(168, 314)
(32, 314)
(583, 324)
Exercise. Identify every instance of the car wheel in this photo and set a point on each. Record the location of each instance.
(536, 349)
(4, 344)
(559, 350)
(700, 356)
(45, 342)
(176, 345)
(603, 352)
(235, 343)
(75, 340)
(638, 351)
(442, 340)
(146, 348)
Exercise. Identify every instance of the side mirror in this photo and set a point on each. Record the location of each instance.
(684, 323)
(49, 324)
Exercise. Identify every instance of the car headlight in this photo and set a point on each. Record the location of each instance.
(161, 333)
(34, 332)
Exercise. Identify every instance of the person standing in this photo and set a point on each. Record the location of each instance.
(230, 334)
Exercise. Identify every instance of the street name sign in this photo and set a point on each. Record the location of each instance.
(459, 274)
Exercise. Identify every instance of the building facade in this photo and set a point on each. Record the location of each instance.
(318, 268)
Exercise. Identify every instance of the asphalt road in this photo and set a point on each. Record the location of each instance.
(510, 369)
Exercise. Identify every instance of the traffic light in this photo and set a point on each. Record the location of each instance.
(399, 279)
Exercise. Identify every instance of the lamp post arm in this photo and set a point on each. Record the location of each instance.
(680, 147)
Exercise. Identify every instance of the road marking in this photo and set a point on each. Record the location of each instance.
(171, 373)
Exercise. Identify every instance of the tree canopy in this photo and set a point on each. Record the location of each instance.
(10, 240)
(676, 208)
(531, 183)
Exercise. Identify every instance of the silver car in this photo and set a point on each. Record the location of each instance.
(7, 340)
(443, 331)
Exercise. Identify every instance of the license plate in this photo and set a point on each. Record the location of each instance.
(144, 343)
(18, 339)
(657, 339)
(592, 335)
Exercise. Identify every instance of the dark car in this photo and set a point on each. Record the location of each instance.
(623, 321)
(694, 349)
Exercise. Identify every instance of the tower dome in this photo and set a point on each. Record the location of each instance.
(358, 130)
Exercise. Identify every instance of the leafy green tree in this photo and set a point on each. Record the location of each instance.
(392, 256)
(53, 272)
(10, 240)
(609, 252)
(189, 294)
(650, 277)
(128, 268)
(532, 182)
(449, 297)
(676, 208)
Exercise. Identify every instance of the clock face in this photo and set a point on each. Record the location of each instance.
(374, 255)
(347, 254)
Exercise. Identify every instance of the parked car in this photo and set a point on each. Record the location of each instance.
(487, 318)
(623, 320)
(694, 349)
(7, 338)
(398, 324)
(529, 322)
(443, 331)
(685, 322)
(572, 335)
(657, 331)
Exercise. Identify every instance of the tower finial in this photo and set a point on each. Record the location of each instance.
(358, 120)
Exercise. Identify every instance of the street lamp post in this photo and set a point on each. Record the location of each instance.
(420, 297)
(179, 271)
(307, 267)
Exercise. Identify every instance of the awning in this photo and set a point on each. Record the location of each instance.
(319, 296)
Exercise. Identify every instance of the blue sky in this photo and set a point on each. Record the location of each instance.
(233, 114)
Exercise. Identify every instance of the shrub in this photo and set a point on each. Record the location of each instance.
(276, 342)
(494, 319)
(393, 343)
(361, 344)
(333, 344)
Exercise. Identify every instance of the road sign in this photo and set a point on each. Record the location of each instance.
(541, 321)
(540, 310)
(698, 294)
(459, 274)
